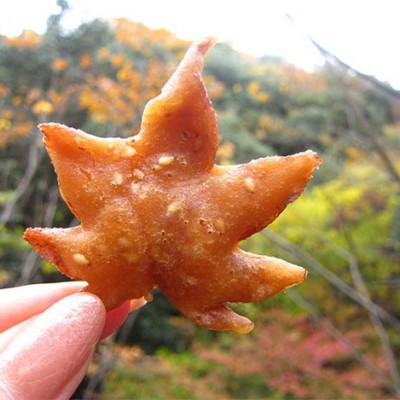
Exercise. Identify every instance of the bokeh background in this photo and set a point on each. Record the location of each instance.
(282, 80)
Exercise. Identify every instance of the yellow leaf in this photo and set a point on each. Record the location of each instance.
(59, 64)
(86, 61)
(42, 107)
(5, 123)
(3, 90)
(26, 40)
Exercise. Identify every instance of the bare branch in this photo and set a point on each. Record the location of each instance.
(362, 120)
(333, 278)
(27, 269)
(34, 156)
(336, 334)
(385, 89)
(373, 137)
(32, 257)
(375, 319)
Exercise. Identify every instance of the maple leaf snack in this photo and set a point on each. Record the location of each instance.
(155, 211)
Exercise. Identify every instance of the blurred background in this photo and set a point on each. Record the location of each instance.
(283, 79)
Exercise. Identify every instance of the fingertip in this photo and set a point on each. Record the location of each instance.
(21, 303)
(56, 346)
(91, 308)
(114, 319)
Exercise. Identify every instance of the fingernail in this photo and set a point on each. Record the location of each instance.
(137, 303)
(49, 358)
(115, 318)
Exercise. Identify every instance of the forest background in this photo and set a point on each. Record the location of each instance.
(337, 334)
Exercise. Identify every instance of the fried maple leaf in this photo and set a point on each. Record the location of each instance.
(155, 211)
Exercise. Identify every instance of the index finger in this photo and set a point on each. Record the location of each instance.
(21, 303)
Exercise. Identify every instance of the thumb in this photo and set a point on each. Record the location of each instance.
(49, 358)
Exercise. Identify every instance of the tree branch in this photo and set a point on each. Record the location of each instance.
(375, 319)
(32, 257)
(388, 91)
(34, 156)
(333, 278)
(337, 335)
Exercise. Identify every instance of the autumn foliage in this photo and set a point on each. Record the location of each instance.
(295, 357)
(104, 81)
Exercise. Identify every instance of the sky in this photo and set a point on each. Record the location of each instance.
(362, 33)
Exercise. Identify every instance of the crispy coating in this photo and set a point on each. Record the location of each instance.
(156, 212)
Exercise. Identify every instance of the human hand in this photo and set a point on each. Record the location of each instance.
(48, 334)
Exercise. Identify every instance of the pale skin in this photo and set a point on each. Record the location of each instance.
(48, 334)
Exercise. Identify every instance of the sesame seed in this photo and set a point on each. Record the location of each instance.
(191, 280)
(128, 151)
(173, 208)
(117, 178)
(219, 225)
(165, 160)
(80, 259)
(138, 174)
(250, 185)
